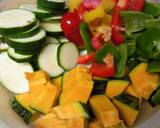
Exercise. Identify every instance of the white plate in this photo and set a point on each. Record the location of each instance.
(149, 117)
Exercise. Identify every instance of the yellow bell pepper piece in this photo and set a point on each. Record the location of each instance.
(74, 4)
(108, 5)
(94, 14)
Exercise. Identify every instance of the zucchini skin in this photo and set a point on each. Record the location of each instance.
(51, 5)
(25, 46)
(21, 111)
(11, 31)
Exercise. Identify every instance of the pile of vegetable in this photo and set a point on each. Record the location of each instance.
(84, 64)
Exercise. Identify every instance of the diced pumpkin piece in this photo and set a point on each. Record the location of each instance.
(77, 86)
(128, 108)
(58, 81)
(120, 125)
(37, 78)
(143, 82)
(116, 87)
(74, 4)
(46, 99)
(95, 124)
(81, 92)
(72, 110)
(49, 121)
(104, 110)
(94, 14)
(20, 104)
(25, 100)
(80, 122)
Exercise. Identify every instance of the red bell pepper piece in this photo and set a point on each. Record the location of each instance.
(97, 42)
(70, 25)
(135, 5)
(86, 58)
(104, 70)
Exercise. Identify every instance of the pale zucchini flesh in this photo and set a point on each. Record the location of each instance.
(28, 43)
(67, 55)
(48, 62)
(18, 57)
(12, 74)
(52, 40)
(16, 20)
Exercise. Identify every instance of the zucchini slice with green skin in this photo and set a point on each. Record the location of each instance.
(27, 43)
(3, 46)
(18, 57)
(52, 40)
(16, 20)
(67, 55)
(63, 39)
(48, 62)
(40, 13)
(18, 83)
(52, 28)
(27, 33)
(20, 110)
(53, 18)
(53, 4)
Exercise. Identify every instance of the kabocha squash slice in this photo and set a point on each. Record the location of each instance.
(94, 124)
(104, 110)
(72, 110)
(77, 86)
(46, 98)
(116, 87)
(143, 82)
(128, 107)
(20, 104)
(79, 122)
(49, 121)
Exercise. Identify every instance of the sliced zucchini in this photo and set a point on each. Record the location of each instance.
(27, 33)
(3, 46)
(18, 57)
(16, 20)
(67, 55)
(40, 13)
(53, 28)
(63, 39)
(12, 74)
(29, 42)
(52, 40)
(48, 62)
(54, 4)
(53, 18)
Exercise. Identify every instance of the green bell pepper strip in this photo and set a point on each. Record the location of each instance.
(107, 48)
(84, 31)
(121, 65)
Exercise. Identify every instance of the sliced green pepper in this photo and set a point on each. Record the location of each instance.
(154, 67)
(107, 48)
(121, 65)
(134, 21)
(84, 31)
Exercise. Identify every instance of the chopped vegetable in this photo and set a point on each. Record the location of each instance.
(144, 83)
(86, 58)
(104, 110)
(105, 69)
(116, 87)
(70, 111)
